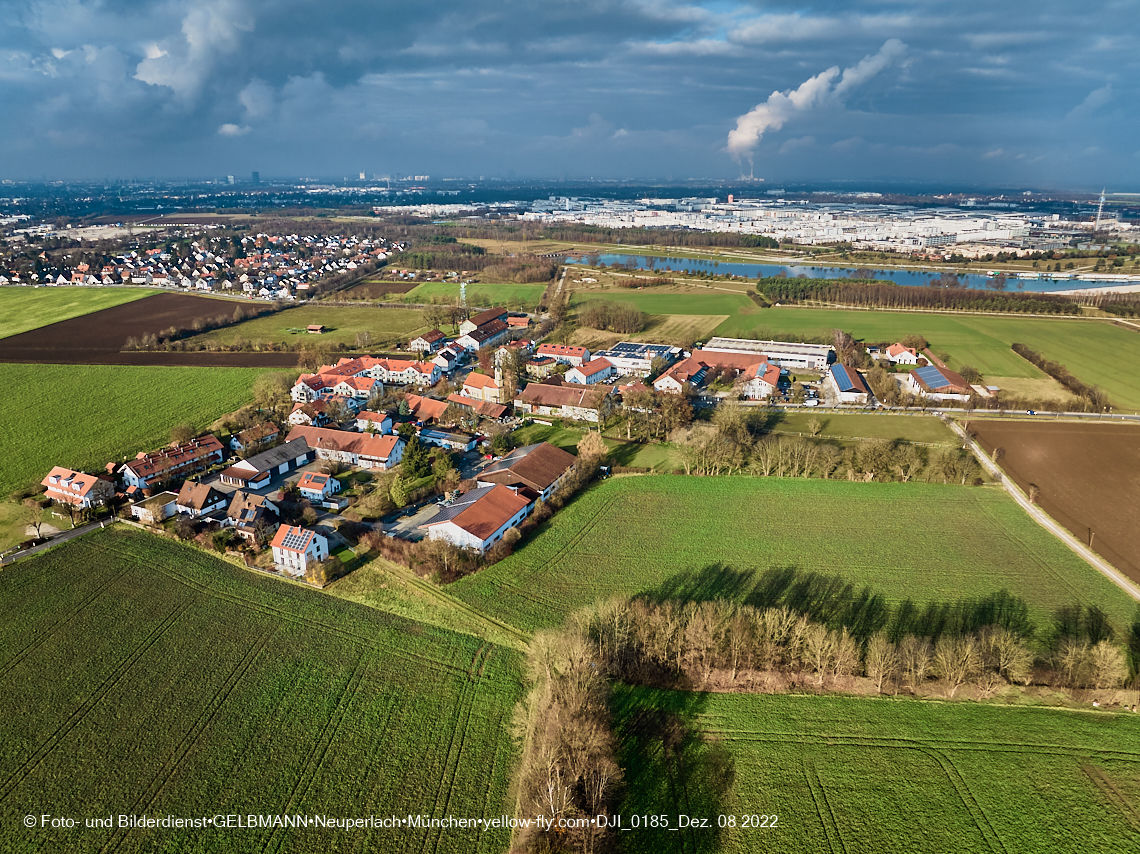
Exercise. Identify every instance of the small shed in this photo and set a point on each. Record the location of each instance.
(315, 329)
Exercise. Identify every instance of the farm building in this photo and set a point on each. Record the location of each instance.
(592, 372)
(199, 499)
(317, 486)
(315, 329)
(539, 468)
(551, 397)
(249, 514)
(564, 353)
(478, 519)
(632, 358)
(76, 488)
(452, 439)
(175, 462)
(364, 450)
(482, 319)
(295, 548)
(482, 408)
(847, 384)
(938, 383)
(689, 372)
(429, 342)
(488, 335)
(257, 471)
(803, 357)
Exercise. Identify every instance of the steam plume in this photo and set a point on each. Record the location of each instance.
(826, 87)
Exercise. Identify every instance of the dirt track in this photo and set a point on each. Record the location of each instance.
(98, 338)
(1088, 475)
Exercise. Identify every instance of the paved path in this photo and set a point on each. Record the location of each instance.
(1038, 515)
(54, 541)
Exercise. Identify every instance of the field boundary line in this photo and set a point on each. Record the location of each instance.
(1045, 521)
(1113, 794)
(977, 814)
(462, 722)
(830, 829)
(93, 699)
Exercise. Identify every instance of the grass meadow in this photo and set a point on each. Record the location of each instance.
(523, 296)
(22, 309)
(1096, 352)
(712, 302)
(84, 416)
(850, 427)
(730, 537)
(386, 325)
(860, 774)
(145, 677)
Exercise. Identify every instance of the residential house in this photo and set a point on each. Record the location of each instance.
(539, 468)
(425, 409)
(174, 462)
(453, 439)
(309, 414)
(250, 514)
(317, 486)
(564, 353)
(429, 342)
(373, 422)
(294, 549)
(76, 488)
(151, 511)
(253, 439)
(541, 367)
(488, 335)
(257, 471)
(447, 358)
(199, 499)
(760, 381)
(938, 383)
(364, 450)
(591, 372)
(482, 408)
(582, 403)
(900, 355)
(479, 518)
(847, 384)
(688, 373)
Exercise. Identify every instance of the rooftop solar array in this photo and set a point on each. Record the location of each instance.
(296, 539)
(930, 375)
(845, 380)
(633, 348)
(460, 504)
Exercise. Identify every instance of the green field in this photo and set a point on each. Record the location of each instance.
(83, 416)
(673, 303)
(145, 677)
(661, 457)
(386, 325)
(913, 428)
(500, 294)
(22, 309)
(1096, 352)
(717, 536)
(866, 775)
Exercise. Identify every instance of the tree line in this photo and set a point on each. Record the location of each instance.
(620, 317)
(1094, 395)
(172, 335)
(879, 294)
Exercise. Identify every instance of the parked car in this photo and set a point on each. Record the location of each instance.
(811, 401)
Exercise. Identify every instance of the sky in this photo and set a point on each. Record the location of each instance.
(1040, 94)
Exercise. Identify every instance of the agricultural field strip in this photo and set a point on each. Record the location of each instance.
(822, 807)
(85, 708)
(153, 790)
(1113, 795)
(858, 438)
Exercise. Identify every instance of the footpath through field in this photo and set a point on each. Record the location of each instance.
(1096, 561)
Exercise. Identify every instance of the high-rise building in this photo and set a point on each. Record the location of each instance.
(257, 177)
(230, 179)
(362, 178)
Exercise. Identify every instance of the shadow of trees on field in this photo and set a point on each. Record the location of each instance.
(862, 610)
(671, 769)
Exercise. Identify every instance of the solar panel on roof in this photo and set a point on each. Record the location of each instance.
(296, 540)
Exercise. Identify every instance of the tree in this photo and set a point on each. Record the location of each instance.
(956, 659)
(437, 316)
(970, 374)
(416, 461)
(592, 446)
(882, 660)
(337, 411)
(1006, 653)
(363, 339)
(1109, 666)
(184, 527)
(33, 515)
(271, 391)
(312, 356)
(815, 427)
(180, 434)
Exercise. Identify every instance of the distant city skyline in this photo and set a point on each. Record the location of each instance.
(967, 93)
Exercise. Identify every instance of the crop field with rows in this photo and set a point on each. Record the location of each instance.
(84, 416)
(145, 677)
(860, 774)
(716, 537)
(22, 309)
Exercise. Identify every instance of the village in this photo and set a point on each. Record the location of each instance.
(379, 446)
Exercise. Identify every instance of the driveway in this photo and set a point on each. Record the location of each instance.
(406, 524)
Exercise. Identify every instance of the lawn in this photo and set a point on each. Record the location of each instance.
(145, 677)
(523, 296)
(710, 537)
(712, 302)
(913, 428)
(1096, 352)
(659, 457)
(342, 323)
(22, 309)
(859, 774)
(83, 416)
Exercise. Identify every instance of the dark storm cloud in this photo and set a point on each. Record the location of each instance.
(1036, 93)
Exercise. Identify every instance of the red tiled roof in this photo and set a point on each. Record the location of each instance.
(485, 317)
(362, 444)
(561, 350)
(475, 380)
(425, 408)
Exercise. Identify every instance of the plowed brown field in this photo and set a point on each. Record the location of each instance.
(98, 338)
(1088, 474)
